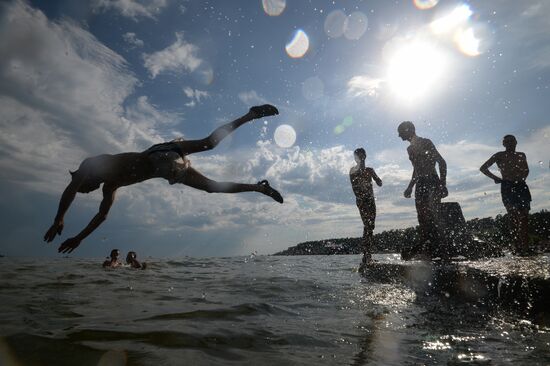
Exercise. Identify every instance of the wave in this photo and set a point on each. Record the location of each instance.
(232, 313)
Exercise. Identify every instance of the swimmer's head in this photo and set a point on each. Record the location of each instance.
(130, 257)
(115, 253)
(360, 155)
(509, 142)
(406, 130)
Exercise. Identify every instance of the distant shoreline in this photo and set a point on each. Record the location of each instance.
(490, 230)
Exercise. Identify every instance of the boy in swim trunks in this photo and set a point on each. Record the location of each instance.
(430, 188)
(516, 196)
(361, 182)
(167, 160)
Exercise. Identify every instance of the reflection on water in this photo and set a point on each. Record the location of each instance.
(262, 310)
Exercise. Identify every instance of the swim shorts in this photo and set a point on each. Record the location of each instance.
(515, 195)
(427, 188)
(165, 158)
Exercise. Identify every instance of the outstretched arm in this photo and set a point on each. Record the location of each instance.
(108, 198)
(66, 199)
(210, 142)
(485, 169)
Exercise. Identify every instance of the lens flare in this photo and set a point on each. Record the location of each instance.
(425, 4)
(356, 25)
(451, 21)
(274, 7)
(284, 136)
(467, 42)
(313, 88)
(299, 44)
(414, 69)
(347, 122)
(335, 23)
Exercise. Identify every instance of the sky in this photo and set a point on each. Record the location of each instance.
(83, 78)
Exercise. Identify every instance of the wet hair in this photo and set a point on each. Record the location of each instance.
(360, 152)
(406, 126)
(114, 252)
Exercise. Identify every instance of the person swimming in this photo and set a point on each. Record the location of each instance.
(113, 260)
(131, 260)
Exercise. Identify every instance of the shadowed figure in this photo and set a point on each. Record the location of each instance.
(167, 160)
(430, 188)
(113, 261)
(131, 260)
(516, 196)
(361, 178)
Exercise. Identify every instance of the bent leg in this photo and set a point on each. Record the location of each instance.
(210, 142)
(192, 178)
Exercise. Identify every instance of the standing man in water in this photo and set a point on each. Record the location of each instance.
(516, 196)
(167, 160)
(430, 188)
(361, 182)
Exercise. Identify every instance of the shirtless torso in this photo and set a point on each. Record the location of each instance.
(515, 193)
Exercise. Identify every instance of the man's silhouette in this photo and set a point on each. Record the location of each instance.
(430, 187)
(515, 192)
(167, 160)
(361, 178)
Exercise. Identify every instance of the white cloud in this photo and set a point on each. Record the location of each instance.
(195, 95)
(180, 56)
(364, 86)
(131, 8)
(251, 98)
(61, 96)
(132, 40)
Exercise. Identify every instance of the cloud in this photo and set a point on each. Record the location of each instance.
(364, 86)
(62, 95)
(132, 40)
(131, 8)
(180, 56)
(195, 95)
(251, 98)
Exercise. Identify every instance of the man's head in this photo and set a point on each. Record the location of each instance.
(509, 142)
(360, 155)
(115, 253)
(406, 130)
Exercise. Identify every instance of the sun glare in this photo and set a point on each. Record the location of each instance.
(414, 70)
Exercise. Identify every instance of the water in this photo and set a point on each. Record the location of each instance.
(253, 311)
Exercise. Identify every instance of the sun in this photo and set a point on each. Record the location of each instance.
(415, 70)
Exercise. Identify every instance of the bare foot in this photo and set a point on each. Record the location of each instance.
(263, 111)
(268, 191)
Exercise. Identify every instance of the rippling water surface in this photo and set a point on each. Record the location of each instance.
(255, 310)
